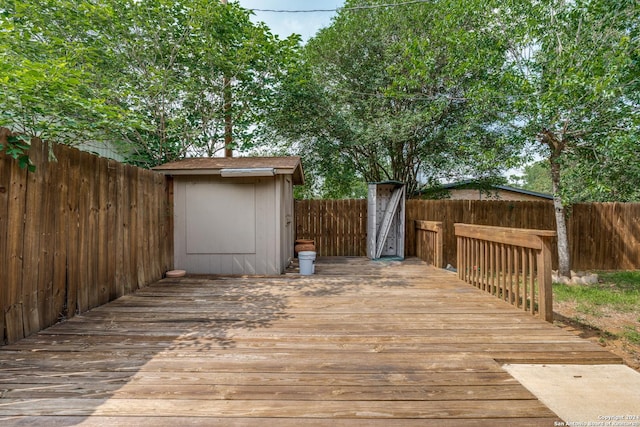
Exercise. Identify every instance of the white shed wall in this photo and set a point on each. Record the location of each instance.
(232, 225)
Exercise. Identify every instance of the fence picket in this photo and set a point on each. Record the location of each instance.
(5, 179)
(61, 233)
(32, 226)
(47, 243)
(72, 263)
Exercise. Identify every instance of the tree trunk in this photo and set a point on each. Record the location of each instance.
(228, 120)
(564, 260)
(557, 145)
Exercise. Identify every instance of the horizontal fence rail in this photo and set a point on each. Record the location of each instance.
(76, 233)
(512, 264)
(429, 243)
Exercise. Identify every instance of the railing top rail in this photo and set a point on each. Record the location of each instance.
(510, 236)
(429, 225)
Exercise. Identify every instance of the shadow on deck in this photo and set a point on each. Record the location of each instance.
(359, 343)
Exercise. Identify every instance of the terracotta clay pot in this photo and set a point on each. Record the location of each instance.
(304, 245)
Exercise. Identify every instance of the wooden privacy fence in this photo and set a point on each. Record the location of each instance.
(76, 233)
(429, 242)
(339, 227)
(603, 236)
(512, 264)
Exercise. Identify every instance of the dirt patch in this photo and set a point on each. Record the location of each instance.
(605, 327)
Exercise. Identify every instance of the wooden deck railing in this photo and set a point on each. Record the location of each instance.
(512, 264)
(429, 242)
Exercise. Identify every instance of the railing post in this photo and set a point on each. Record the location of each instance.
(439, 242)
(545, 305)
(461, 257)
(429, 242)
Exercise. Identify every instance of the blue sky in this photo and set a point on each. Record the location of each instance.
(285, 24)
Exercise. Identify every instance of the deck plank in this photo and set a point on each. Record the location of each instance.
(359, 343)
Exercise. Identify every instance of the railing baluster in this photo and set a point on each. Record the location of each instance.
(491, 282)
(545, 296)
(483, 271)
(474, 260)
(503, 268)
(517, 267)
(532, 299)
(475, 255)
(469, 260)
(525, 275)
(510, 273)
(463, 259)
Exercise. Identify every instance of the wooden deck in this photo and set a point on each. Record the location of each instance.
(360, 343)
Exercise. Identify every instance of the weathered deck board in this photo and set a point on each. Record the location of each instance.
(358, 344)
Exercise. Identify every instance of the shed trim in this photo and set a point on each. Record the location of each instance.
(290, 165)
(245, 172)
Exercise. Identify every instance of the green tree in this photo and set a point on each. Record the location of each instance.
(536, 177)
(46, 72)
(148, 74)
(576, 67)
(173, 79)
(608, 172)
(403, 92)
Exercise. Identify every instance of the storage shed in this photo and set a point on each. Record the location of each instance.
(385, 220)
(234, 215)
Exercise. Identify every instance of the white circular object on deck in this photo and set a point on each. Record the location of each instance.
(176, 273)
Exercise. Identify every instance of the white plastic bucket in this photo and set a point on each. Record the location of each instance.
(307, 262)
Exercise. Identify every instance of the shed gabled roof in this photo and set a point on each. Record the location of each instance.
(290, 165)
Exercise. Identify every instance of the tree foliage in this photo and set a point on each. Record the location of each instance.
(536, 177)
(576, 75)
(577, 65)
(173, 81)
(404, 93)
(438, 90)
(147, 74)
(46, 70)
(419, 92)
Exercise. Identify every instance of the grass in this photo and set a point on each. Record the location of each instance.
(632, 335)
(617, 291)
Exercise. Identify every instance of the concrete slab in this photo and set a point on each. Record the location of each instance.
(584, 395)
